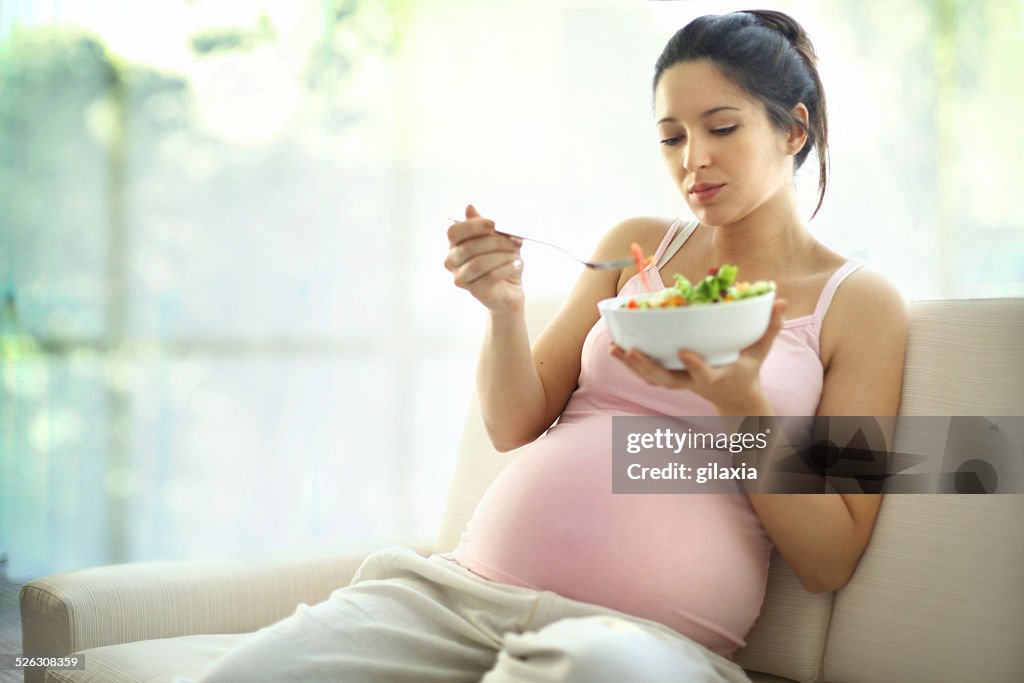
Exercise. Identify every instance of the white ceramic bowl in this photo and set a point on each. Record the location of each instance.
(718, 332)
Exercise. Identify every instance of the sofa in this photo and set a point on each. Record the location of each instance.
(937, 597)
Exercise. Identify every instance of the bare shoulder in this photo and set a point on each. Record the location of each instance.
(866, 294)
(867, 309)
(647, 231)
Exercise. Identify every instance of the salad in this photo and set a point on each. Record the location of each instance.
(718, 286)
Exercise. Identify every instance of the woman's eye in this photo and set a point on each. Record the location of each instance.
(717, 131)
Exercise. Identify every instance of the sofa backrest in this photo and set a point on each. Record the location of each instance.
(937, 593)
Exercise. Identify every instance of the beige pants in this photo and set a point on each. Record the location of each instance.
(406, 618)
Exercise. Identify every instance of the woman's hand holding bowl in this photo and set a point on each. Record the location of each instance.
(734, 389)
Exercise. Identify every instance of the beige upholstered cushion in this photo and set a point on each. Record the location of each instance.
(757, 677)
(168, 660)
(939, 593)
(77, 610)
(938, 596)
(965, 357)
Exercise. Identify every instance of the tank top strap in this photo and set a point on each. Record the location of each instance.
(673, 228)
(833, 283)
(673, 241)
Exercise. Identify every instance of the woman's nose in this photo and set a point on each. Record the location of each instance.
(695, 155)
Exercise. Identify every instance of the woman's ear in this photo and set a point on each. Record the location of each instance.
(797, 137)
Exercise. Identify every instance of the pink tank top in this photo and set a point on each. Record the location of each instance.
(697, 563)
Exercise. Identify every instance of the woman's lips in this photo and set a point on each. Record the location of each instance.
(708, 194)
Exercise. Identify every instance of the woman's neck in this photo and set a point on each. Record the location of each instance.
(768, 240)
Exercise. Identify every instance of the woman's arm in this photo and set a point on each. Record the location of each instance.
(522, 390)
(822, 536)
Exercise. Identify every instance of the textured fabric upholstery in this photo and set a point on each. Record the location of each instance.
(165, 660)
(938, 596)
(965, 357)
(939, 593)
(88, 608)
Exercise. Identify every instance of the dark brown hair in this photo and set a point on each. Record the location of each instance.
(769, 55)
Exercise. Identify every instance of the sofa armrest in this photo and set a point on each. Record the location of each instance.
(76, 610)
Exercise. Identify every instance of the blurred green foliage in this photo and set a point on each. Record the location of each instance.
(230, 38)
(77, 122)
(354, 29)
(72, 118)
(52, 168)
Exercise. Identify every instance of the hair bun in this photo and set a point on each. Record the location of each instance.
(784, 24)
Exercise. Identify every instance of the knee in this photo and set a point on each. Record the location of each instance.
(606, 648)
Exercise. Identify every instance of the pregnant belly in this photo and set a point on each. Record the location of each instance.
(549, 521)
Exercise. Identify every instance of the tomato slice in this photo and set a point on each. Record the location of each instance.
(641, 262)
(638, 255)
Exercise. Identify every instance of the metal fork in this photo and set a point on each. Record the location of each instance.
(597, 265)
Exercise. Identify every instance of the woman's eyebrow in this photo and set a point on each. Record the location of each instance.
(709, 112)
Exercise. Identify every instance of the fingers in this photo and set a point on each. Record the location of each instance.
(479, 257)
(488, 269)
(474, 248)
(501, 273)
(468, 229)
(651, 372)
(475, 225)
(698, 369)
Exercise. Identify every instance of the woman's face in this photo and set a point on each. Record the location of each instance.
(713, 135)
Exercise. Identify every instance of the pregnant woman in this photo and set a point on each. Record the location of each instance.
(555, 578)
